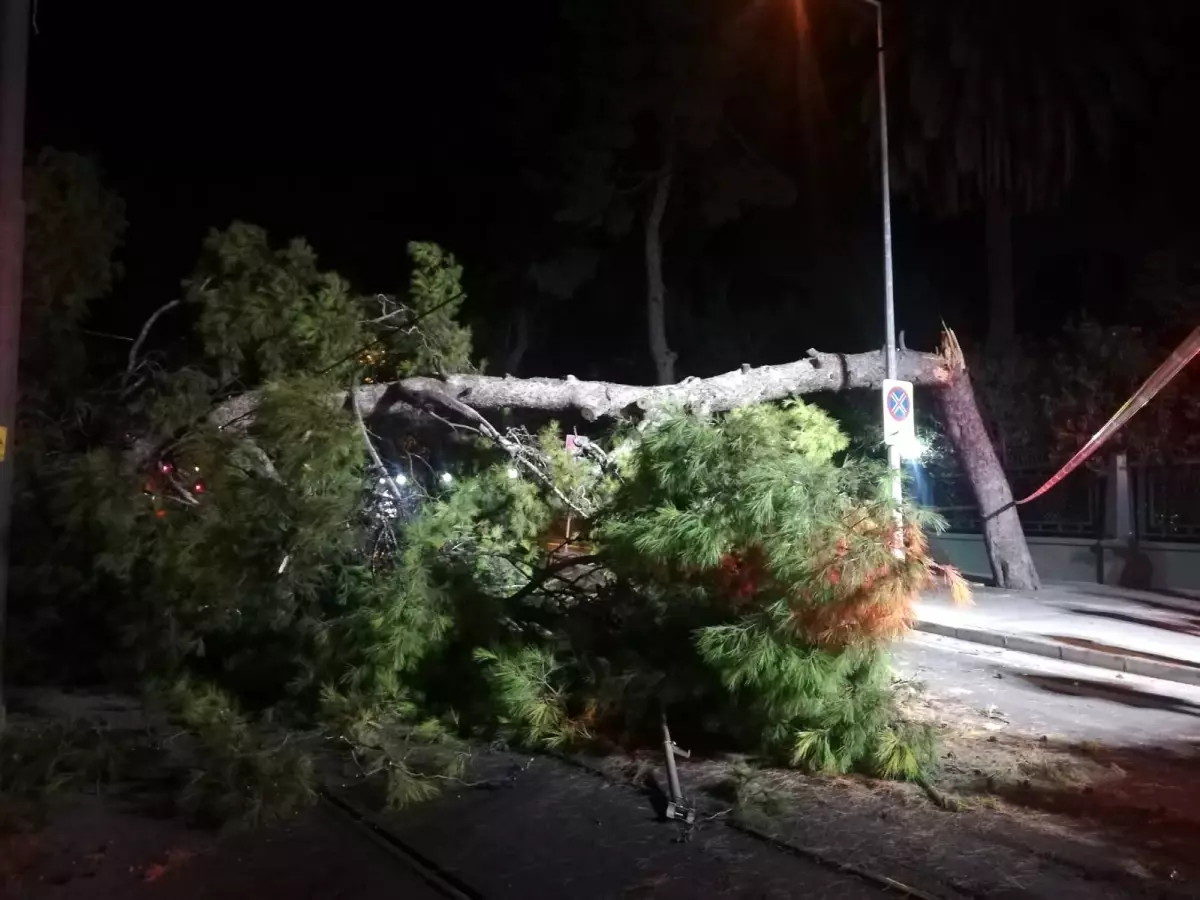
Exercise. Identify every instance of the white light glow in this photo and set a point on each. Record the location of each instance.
(512, 472)
(401, 479)
(913, 450)
(447, 478)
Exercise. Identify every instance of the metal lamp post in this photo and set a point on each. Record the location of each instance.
(904, 409)
(886, 181)
(889, 294)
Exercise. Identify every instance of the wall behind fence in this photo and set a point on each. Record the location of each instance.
(1159, 566)
(1132, 526)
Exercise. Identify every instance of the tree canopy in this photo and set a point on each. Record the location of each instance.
(999, 107)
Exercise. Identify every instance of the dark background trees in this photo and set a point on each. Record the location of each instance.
(439, 121)
(1000, 107)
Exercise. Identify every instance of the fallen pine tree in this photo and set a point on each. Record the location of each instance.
(266, 543)
(466, 397)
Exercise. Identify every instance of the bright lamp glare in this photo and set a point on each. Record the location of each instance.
(447, 478)
(913, 450)
(512, 472)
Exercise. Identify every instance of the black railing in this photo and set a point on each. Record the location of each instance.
(1074, 508)
(1167, 501)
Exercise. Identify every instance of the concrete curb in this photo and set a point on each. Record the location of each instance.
(1103, 659)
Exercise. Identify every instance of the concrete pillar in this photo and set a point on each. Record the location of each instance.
(1118, 524)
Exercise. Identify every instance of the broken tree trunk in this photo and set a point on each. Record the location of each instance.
(1007, 550)
(471, 395)
(596, 400)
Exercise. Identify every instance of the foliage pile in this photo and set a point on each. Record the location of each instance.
(294, 569)
(247, 558)
(40, 761)
(753, 591)
(241, 777)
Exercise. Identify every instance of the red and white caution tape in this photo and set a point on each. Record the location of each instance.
(1183, 355)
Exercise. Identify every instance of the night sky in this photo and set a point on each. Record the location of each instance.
(356, 129)
(362, 128)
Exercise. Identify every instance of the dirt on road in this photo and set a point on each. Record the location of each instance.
(1029, 816)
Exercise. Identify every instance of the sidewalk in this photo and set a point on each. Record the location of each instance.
(1139, 632)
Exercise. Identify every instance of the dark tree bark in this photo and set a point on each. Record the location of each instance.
(1008, 552)
(1002, 304)
(469, 396)
(656, 289)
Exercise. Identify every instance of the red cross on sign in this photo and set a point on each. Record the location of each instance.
(898, 403)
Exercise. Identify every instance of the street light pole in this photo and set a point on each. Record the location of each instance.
(14, 50)
(889, 292)
(886, 181)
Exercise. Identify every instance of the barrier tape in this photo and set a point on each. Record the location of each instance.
(1162, 376)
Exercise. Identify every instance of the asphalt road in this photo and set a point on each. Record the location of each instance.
(100, 849)
(561, 832)
(1041, 696)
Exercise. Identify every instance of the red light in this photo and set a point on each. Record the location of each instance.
(165, 467)
(198, 487)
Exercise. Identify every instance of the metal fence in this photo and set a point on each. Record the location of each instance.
(1165, 501)
(1075, 508)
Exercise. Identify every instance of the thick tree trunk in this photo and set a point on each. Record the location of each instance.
(468, 396)
(1008, 553)
(596, 400)
(656, 290)
(1002, 307)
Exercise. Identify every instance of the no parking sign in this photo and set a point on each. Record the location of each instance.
(899, 425)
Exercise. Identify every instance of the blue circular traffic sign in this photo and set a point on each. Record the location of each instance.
(899, 404)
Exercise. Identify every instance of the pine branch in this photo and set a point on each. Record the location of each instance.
(144, 333)
(512, 448)
(549, 572)
(376, 460)
(264, 461)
